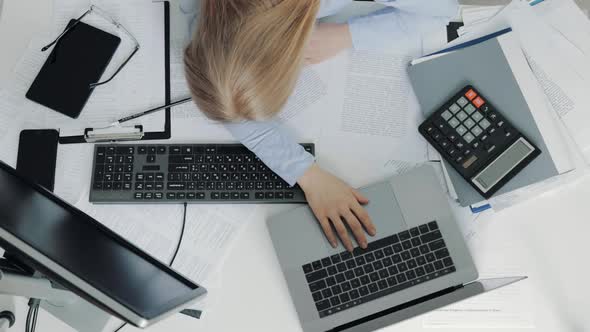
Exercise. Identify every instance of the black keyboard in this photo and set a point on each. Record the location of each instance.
(196, 173)
(388, 265)
(478, 142)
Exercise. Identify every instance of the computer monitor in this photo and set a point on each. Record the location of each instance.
(76, 251)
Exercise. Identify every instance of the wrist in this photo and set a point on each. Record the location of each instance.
(306, 180)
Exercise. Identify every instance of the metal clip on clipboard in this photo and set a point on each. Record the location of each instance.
(113, 133)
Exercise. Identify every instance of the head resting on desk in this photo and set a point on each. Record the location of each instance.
(246, 55)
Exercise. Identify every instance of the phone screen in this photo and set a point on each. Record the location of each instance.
(37, 154)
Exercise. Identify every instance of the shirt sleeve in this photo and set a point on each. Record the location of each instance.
(275, 147)
(404, 21)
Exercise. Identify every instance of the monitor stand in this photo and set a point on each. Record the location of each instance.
(16, 279)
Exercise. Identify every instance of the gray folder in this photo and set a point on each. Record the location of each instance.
(485, 67)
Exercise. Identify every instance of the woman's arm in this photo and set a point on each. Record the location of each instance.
(274, 147)
(333, 202)
(404, 21)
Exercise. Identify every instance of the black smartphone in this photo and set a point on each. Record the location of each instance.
(37, 154)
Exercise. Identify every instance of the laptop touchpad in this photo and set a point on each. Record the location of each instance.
(384, 210)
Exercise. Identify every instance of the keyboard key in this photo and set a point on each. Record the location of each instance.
(335, 259)
(335, 301)
(349, 274)
(420, 271)
(360, 260)
(330, 281)
(429, 268)
(340, 278)
(332, 270)
(374, 276)
(406, 255)
(359, 271)
(317, 296)
(454, 108)
(447, 261)
(354, 294)
(350, 264)
(364, 291)
(323, 305)
(382, 284)
(316, 275)
(336, 290)
(378, 265)
(430, 257)
(392, 270)
(355, 283)
(402, 267)
(344, 297)
(326, 293)
(391, 281)
(387, 262)
(462, 101)
(431, 236)
(317, 265)
(318, 285)
(365, 280)
(407, 244)
(438, 265)
(345, 286)
(373, 288)
(401, 278)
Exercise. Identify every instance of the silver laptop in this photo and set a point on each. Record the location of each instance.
(418, 261)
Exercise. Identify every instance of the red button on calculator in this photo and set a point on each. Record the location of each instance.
(478, 102)
(471, 94)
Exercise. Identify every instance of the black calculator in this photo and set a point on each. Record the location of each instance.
(478, 141)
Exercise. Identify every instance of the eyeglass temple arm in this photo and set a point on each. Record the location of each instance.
(66, 30)
(94, 85)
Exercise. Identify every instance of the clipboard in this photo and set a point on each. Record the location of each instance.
(134, 133)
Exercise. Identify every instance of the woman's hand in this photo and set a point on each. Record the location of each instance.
(326, 41)
(334, 203)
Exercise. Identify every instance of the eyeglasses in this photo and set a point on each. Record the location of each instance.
(101, 13)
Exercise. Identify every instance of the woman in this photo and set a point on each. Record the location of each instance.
(244, 61)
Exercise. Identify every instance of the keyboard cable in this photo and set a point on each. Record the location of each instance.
(178, 244)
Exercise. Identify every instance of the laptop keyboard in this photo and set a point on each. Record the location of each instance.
(388, 265)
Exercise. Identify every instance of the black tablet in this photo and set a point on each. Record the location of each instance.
(78, 59)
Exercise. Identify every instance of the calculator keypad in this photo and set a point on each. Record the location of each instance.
(469, 131)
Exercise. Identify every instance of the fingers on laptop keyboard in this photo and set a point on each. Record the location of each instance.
(327, 228)
(364, 218)
(357, 229)
(342, 231)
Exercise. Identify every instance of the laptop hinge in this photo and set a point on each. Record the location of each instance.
(396, 308)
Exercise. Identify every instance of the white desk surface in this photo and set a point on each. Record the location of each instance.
(552, 232)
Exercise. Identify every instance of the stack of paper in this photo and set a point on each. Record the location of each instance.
(552, 55)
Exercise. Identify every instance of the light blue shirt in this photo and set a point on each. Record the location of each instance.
(403, 21)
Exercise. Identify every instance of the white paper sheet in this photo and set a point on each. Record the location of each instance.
(377, 111)
(209, 235)
(507, 307)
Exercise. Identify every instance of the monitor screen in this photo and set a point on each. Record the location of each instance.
(104, 267)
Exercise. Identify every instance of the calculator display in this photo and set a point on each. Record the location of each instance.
(503, 164)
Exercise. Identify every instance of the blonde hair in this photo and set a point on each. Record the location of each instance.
(246, 55)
